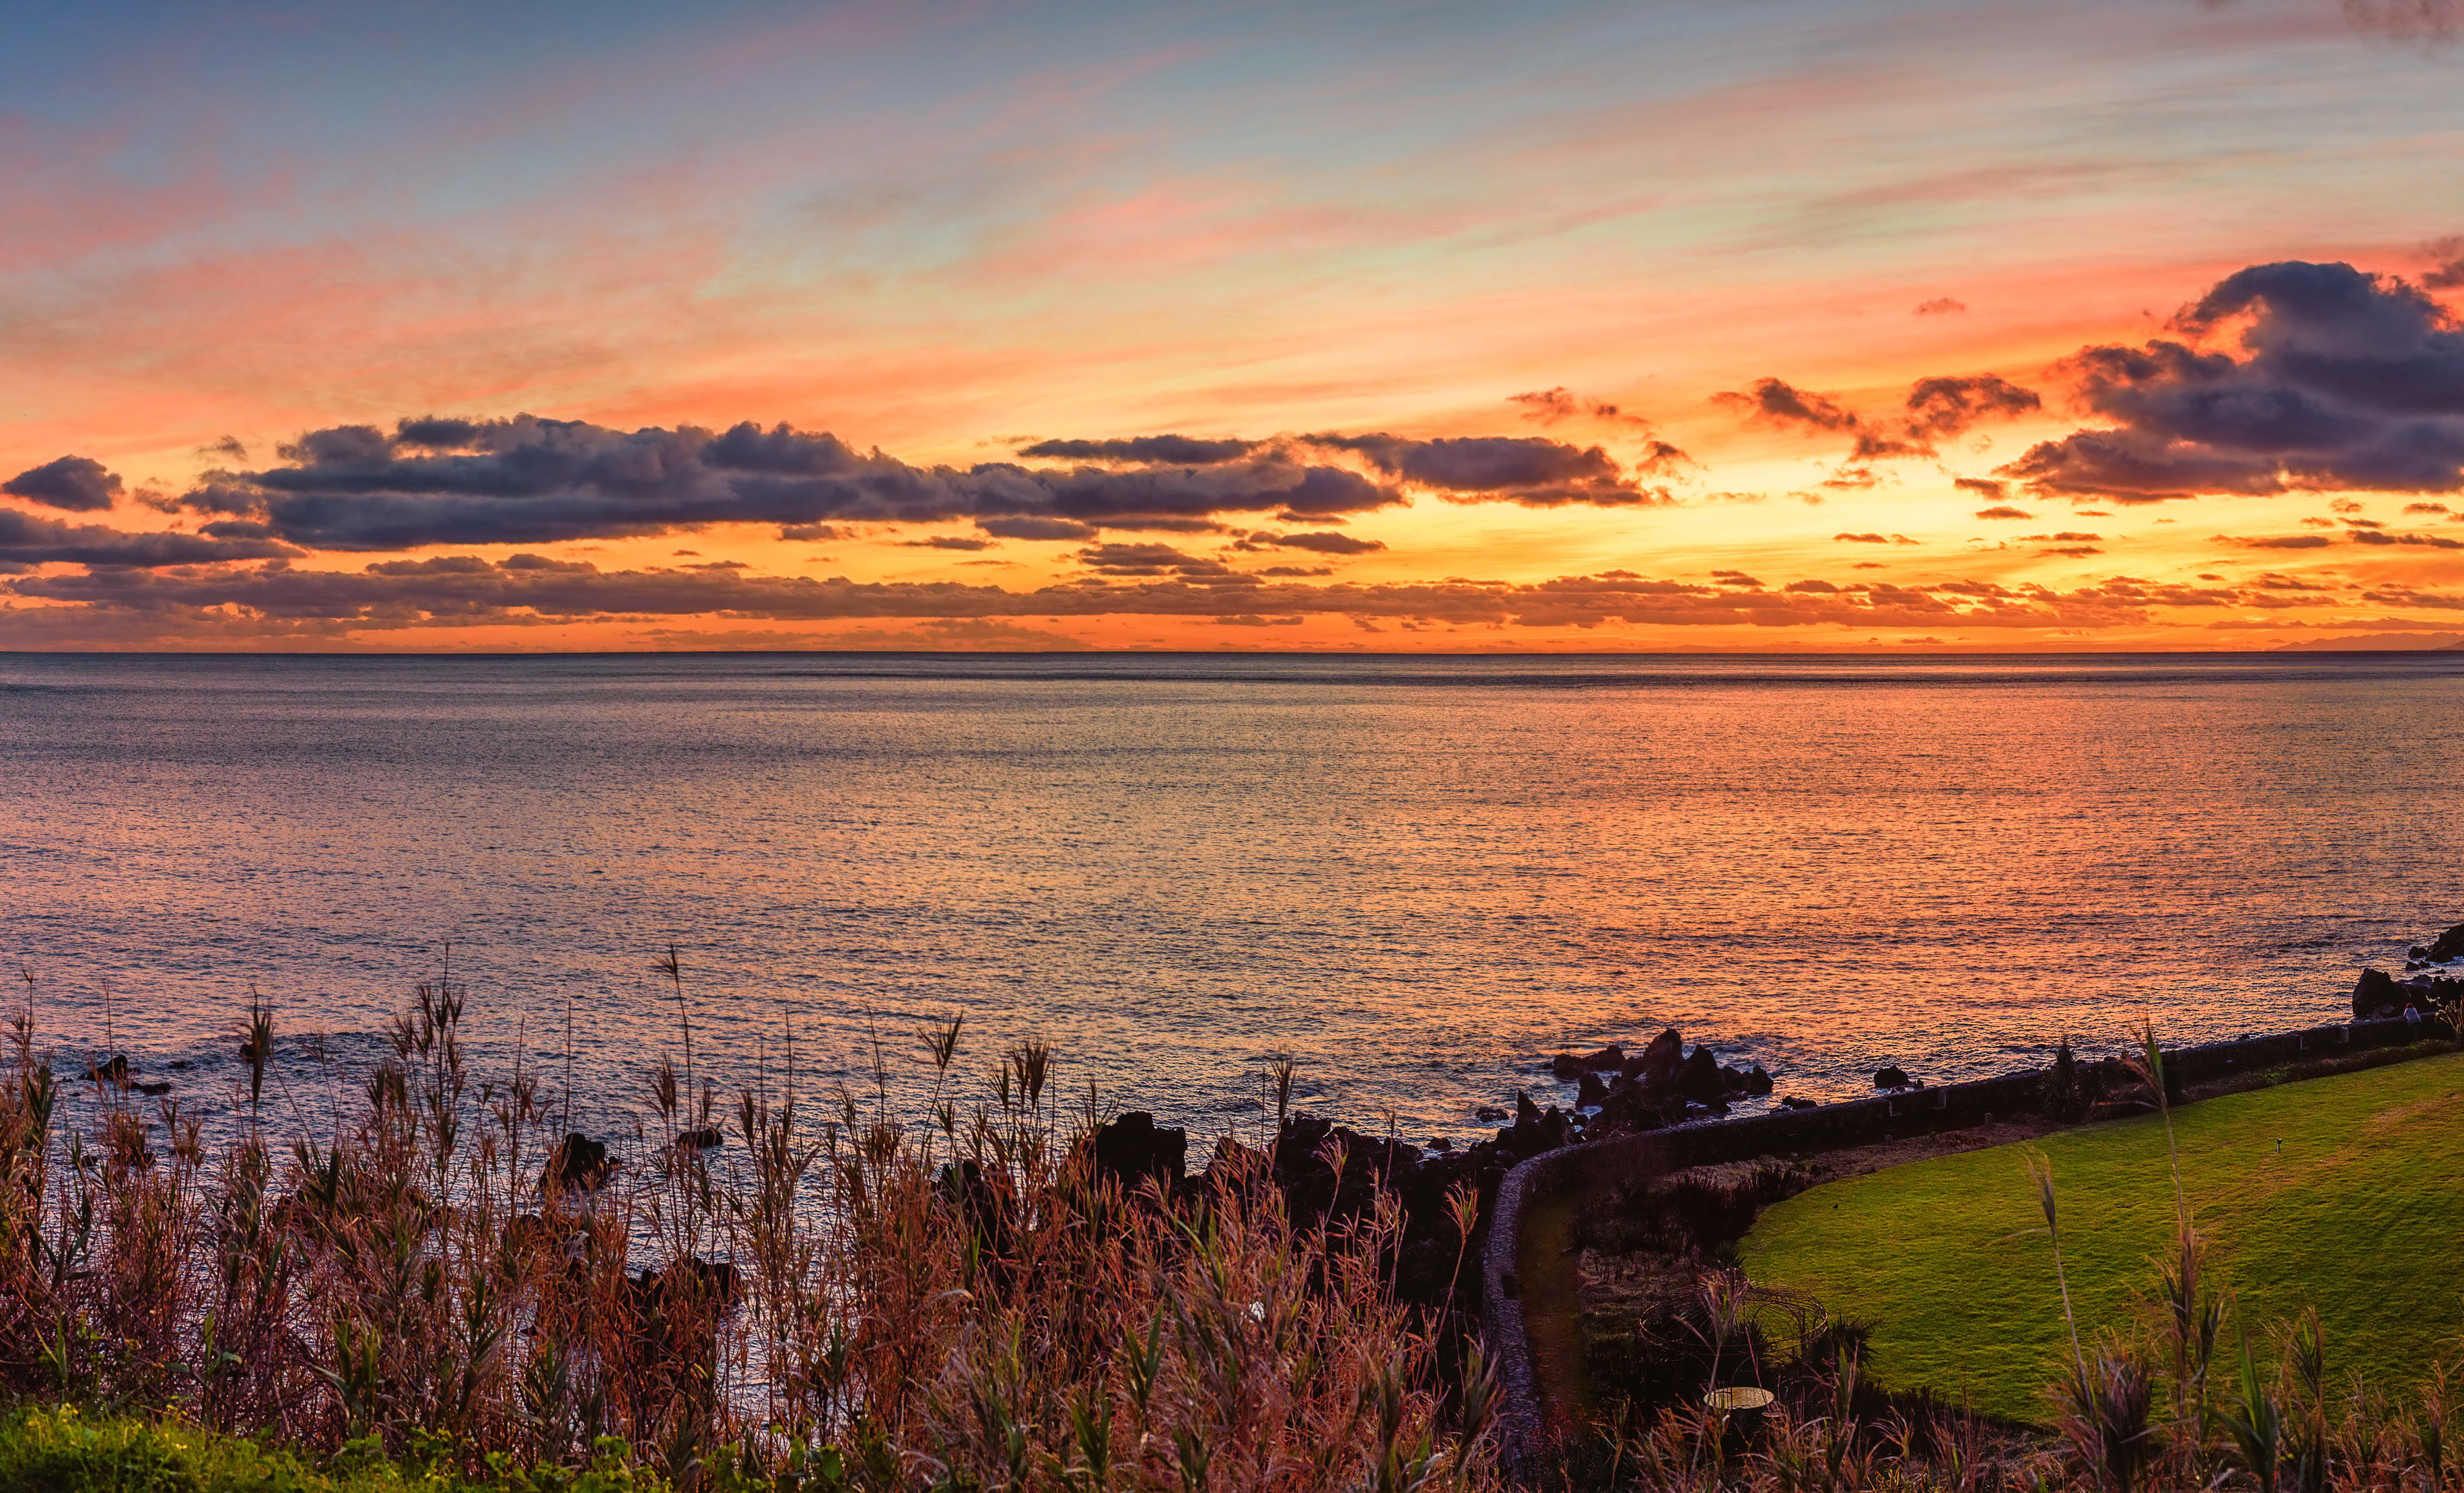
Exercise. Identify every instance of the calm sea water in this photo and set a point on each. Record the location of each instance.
(1417, 876)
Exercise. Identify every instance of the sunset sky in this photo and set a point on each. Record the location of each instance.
(1791, 324)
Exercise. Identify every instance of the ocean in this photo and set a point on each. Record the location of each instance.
(1418, 877)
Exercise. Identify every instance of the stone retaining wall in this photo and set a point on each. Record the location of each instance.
(1782, 1132)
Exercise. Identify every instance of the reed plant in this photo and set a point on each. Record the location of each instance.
(837, 1294)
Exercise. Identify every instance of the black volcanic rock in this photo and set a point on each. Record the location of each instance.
(1892, 1078)
(1758, 1082)
(1133, 1148)
(2449, 946)
(1700, 1077)
(1565, 1067)
(2375, 991)
(1589, 1093)
(577, 1161)
(1658, 1061)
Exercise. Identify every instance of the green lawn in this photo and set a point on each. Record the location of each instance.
(2360, 1214)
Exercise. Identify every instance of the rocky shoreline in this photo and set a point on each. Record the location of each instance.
(1663, 1084)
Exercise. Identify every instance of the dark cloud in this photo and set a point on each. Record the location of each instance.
(28, 539)
(78, 484)
(1660, 459)
(1552, 406)
(1939, 306)
(527, 480)
(1949, 406)
(277, 602)
(2421, 540)
(1037, 528)
(433, 481)
(946, 542)
(1771, 400)
(1178, 450)
(229, 448)
(2447, 274)
(1253, 620)
(1154, 559)
(2286, 542)
(1936, 407)
(1326, 543)
(2004, 512)
(1983, 487)
(2339, 379)
(1524, 469)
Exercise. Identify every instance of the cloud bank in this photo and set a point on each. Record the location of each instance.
(2336, 378)
(78, 484)
(528, 480)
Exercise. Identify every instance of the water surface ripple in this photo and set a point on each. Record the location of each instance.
(1419, 875)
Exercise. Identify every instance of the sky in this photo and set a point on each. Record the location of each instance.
(1786, 325)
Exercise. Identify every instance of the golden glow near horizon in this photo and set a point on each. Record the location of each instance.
(945, 240)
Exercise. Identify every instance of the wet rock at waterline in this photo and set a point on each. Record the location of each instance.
(577, 1161)
(1133, 1146)
(2375, 991)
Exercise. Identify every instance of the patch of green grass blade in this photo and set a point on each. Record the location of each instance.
(2355, 1216)
(61, 1449)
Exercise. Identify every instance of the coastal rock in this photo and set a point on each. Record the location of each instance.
(1791, 1102)
(1893, 1078)
(707, 1138)
(1525, 1112)
(113, 1069)
(1658, 1062)
(1758, 1082)
(1609, 1059)
(1700, 1077)
(155, 1089)
(1565, 1068)
(2375, 991)
(1488, 1114)
(2449, 946)
(1133, 1146)
(1589, 1093)
(1315, 1190)
(577, 1161)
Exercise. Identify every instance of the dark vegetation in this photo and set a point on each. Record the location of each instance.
(446, 1289)
(444, 1285)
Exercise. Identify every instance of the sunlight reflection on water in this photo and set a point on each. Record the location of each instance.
(1422, 876)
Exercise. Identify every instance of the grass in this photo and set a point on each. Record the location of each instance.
(436, 1288)
(61, 1449)
(2357, 1217)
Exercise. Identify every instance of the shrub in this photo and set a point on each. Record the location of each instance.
(863, 1298)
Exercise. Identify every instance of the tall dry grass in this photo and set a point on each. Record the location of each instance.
(838, 1295)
